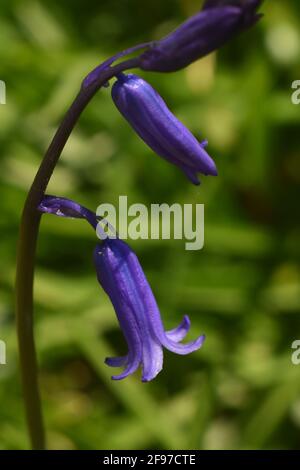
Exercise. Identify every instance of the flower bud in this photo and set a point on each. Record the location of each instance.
(201, 34)
(152, 120)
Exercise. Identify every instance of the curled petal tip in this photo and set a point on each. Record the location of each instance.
(116, 361)
(130, 369)
(119, 377)
(213, 171)
(186, 321)
(184, 348)
(177, 334)
(148, 377)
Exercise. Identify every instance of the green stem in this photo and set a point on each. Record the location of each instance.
(27, 249)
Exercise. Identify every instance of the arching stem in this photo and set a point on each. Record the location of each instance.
(27, 249)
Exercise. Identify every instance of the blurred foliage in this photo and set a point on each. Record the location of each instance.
(241, 390)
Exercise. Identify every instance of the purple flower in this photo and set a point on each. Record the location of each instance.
(217, 23)
(121, 276)
(150, 117)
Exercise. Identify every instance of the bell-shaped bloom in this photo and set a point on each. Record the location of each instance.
(121, 276)
(211, 28)
(152, 120)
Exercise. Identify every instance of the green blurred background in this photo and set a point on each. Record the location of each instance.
(241, 390)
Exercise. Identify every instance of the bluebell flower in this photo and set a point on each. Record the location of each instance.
(150, 117)
(211, 28)
(122, 278)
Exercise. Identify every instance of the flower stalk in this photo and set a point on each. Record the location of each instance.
(26, 253)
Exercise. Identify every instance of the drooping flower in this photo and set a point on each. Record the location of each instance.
(150, 117)
(122, 278)
(211, 28)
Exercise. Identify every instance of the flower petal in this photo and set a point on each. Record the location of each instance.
(116, 361)
(149, 309)
(183, 349)
(133, 364)
(110, 276)
(152, 354)
(177, 334)
(152, 359)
